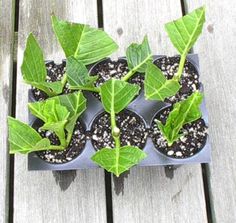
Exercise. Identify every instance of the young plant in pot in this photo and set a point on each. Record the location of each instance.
(57, 136)
(89, 46)
(115, 96)
(178, 131)
(176, 72)
(130, 68)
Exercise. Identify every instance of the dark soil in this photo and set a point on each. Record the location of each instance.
(132, 127)
(108, 69)
(193, 140)
(75, 148)
(55, 72)
(189, 80)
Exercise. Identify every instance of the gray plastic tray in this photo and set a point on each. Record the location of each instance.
(147, 110)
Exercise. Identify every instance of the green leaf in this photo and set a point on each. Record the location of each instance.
(182, 113)
(118, 160)
(117, 94)
(184, 32)
(156, 86)
(54, 116)
(23, 138)
(34, 70)
(78, 75)
(85, 43)
(76, 104)
(138, 55)
(33, 67)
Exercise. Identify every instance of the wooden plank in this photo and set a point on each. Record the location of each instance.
(6, 62)
(151, 194)
(75, 196)
(217, 50)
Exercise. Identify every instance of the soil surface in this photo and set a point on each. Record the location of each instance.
(132, 127)
(108, 69)
(189, 79)
(55, 72)
(75, 148)
(193, 139)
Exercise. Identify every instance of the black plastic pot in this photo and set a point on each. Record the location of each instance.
(147, 110)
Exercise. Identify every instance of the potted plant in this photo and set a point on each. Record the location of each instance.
(149, 110)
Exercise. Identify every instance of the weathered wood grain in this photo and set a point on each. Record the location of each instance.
(6, 64)
(217, 50)
(75, 196)
(149, 194)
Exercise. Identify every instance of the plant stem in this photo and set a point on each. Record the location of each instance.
(134, 70)
(181, 66)
(115, 130)
(63, 80)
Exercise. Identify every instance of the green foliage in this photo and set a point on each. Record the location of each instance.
(34, 71)
(60, 113)
(156, 86)
(54, 116)
(24, 139)
(118, 160)
(185, 31)
(78, 75)
(76, 105)
(117, 94)
(182, 113)
(85, 43)
(138, 56)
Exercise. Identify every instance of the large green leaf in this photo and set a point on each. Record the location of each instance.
(182, 113)
(23, 138)
(33, 67)
(54, 116)
(34, 71)
(184, 32)
(78, 75)
(138, 55)
(117, 94)
(85, 43)
(156, 86)
(118, 160)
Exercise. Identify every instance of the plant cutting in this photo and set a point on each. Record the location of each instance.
(59, 116)
(115, 96)
(131, 68)
(183, 33)
(179, 132)
(89, 46)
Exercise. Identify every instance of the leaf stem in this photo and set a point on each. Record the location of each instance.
(181, 66)
(134, 70)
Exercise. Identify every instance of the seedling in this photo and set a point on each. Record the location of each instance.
(89, 46)
(182, 113)
(183, 33)
(116, 95)
(59, 115)
(34, 70)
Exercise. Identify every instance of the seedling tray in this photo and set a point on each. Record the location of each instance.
(147, 110)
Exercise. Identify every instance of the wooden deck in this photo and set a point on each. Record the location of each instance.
(189, 194)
